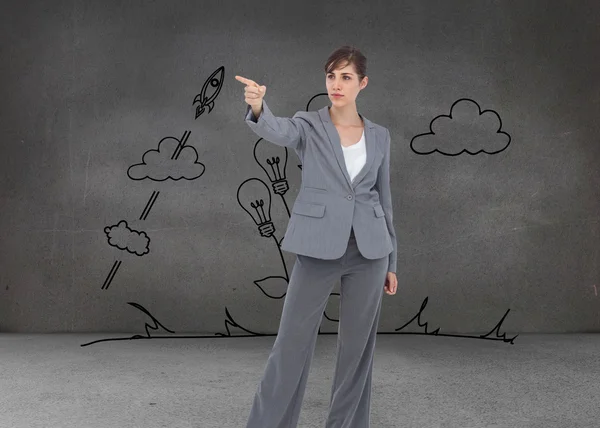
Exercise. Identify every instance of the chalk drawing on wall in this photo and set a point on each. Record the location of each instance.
(154, 326)
(149, 205)
(172, 159)
(254, 196)
(111, 274)
(498, 337)
(467, 129)
(436, 332)
(121, 236)
(207, 96)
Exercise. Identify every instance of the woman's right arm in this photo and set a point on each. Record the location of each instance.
(283, 131)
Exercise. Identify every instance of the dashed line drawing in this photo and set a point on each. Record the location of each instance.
(149, 205)
(111, 274)
(467, 129)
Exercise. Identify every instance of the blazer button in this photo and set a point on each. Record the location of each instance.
(349, 197)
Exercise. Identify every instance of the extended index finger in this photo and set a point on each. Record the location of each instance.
(246, 81)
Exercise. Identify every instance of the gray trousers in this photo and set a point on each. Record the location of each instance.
(279, 397)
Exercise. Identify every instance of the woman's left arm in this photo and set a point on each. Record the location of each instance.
(385, 196)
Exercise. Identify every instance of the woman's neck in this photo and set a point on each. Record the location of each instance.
(345, 116)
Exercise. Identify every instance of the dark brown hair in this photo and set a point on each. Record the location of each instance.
(347, 55)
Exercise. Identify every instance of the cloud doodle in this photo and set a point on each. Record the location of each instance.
(124, 238)
(466, 129)
(172, 160)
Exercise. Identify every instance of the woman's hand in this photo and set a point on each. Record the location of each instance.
(391, 283)
(253, 93)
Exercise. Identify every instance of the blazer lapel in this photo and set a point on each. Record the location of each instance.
(334, 140)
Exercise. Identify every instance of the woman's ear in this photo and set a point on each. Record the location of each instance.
(364, 82)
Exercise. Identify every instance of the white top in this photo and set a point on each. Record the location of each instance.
(355, 156)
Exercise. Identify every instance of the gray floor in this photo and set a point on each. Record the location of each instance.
(418, 381)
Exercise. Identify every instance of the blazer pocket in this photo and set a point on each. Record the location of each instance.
(315, 189)
(379, 210)
(308, 209)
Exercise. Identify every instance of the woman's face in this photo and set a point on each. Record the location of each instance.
(344, 81)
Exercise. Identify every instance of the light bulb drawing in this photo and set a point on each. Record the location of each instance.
(273, 161)
(251, 196)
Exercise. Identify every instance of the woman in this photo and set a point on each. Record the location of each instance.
(341, 228)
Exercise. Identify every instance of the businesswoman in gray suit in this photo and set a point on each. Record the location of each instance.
(341, 227)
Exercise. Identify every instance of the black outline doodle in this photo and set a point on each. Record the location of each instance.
(215, 82)
(498, 131)
(149, 205)
(111, 274)
(147, 326)
(230, 322)
(181, 144)
(267, 230)
(123, 224)
(156, 153)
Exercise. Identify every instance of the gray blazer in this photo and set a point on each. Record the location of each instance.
(329, 204)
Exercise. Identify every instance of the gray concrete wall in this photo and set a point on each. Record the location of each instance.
(504, 232)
